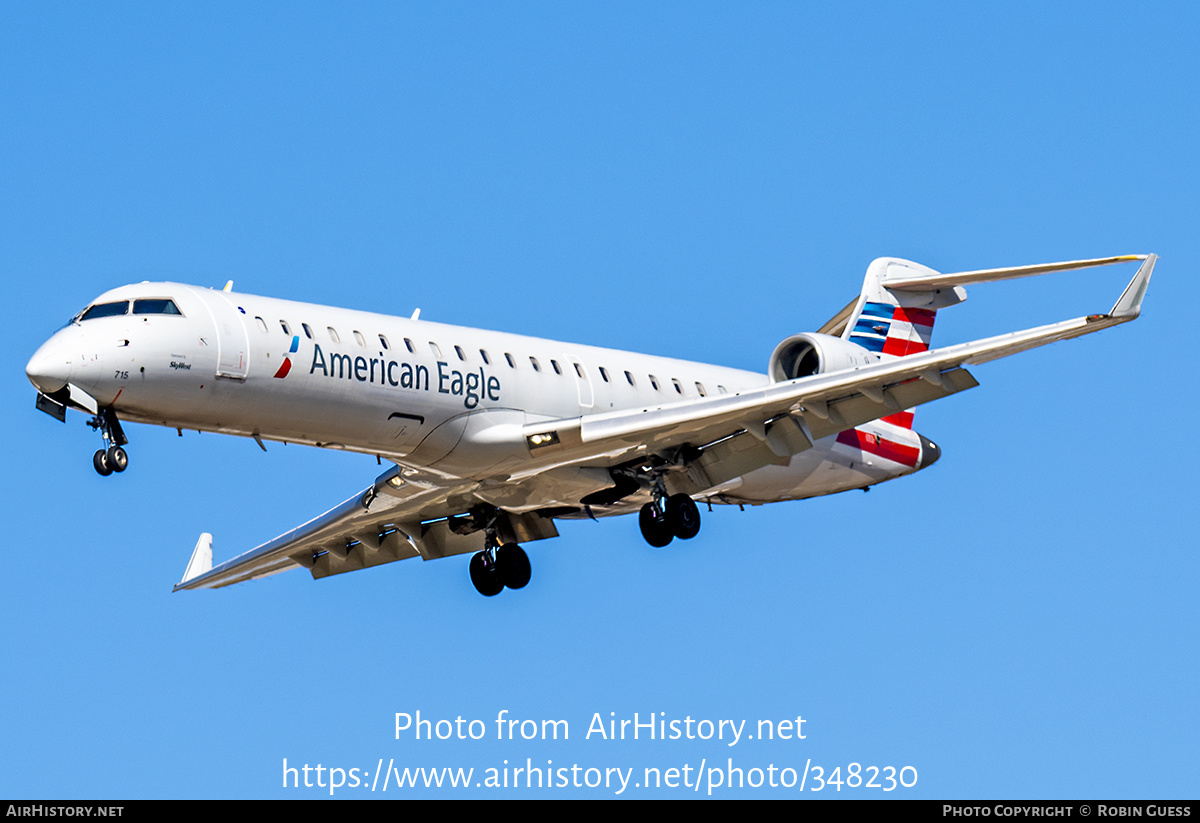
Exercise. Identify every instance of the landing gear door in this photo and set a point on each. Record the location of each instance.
(233, 342)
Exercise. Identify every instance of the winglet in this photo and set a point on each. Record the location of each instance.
(201, 562)
(1130, 304)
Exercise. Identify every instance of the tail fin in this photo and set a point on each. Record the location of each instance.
(893, 321)
(896, 322)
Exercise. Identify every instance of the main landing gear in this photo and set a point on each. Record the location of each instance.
(498, 565)
(668, 517)
(111, 458)
(494, 568)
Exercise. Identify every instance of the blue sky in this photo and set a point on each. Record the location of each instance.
(694, 180)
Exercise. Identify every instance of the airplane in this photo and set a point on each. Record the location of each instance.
(492, 437)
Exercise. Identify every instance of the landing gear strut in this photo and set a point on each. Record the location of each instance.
(111, 458)
(667, 517)
(498, 565)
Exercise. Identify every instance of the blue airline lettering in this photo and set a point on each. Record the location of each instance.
(472, 386)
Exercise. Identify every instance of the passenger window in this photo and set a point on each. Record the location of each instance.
(654, 382)
(262, 324)
(333, 335)
(155, 307)
(604, 374)
(678, 388)
(458, 350)
(485, 357)
(721, 389)
(358, 338)
(383, 342)
(629, 377)
(511, 363)
(307, 331)
(533, 361)
(700, 388)
(286, 329)
(105, 310)
(579, 371)
(557, 370)
(409, 345)
(433, 347)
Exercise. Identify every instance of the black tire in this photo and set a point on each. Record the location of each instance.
(683, 516)
(485, 576)
(654, 527)
(118, 460)
(513, 565)
(100, 461)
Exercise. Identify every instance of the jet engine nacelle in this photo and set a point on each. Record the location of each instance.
(802, 355)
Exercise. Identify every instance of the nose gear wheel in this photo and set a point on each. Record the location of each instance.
(111, 458)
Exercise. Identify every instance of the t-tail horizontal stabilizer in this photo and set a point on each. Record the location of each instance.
(903, 281)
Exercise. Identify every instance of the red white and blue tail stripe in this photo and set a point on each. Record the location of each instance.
(890, 329)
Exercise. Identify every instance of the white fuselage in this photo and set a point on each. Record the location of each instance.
(441, 397)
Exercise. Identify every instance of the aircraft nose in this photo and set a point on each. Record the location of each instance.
(929, 452)
(50, 367)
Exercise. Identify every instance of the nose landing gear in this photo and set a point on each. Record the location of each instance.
(111, 458)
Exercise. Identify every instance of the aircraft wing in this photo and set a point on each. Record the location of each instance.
(828, 403)
(389, 520)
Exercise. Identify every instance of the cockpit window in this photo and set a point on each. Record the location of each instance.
(104, 310)
(155, 307)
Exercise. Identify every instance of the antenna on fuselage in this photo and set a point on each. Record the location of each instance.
(416, 315)
(228, 286)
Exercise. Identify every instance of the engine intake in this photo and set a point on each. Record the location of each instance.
(803, 355)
